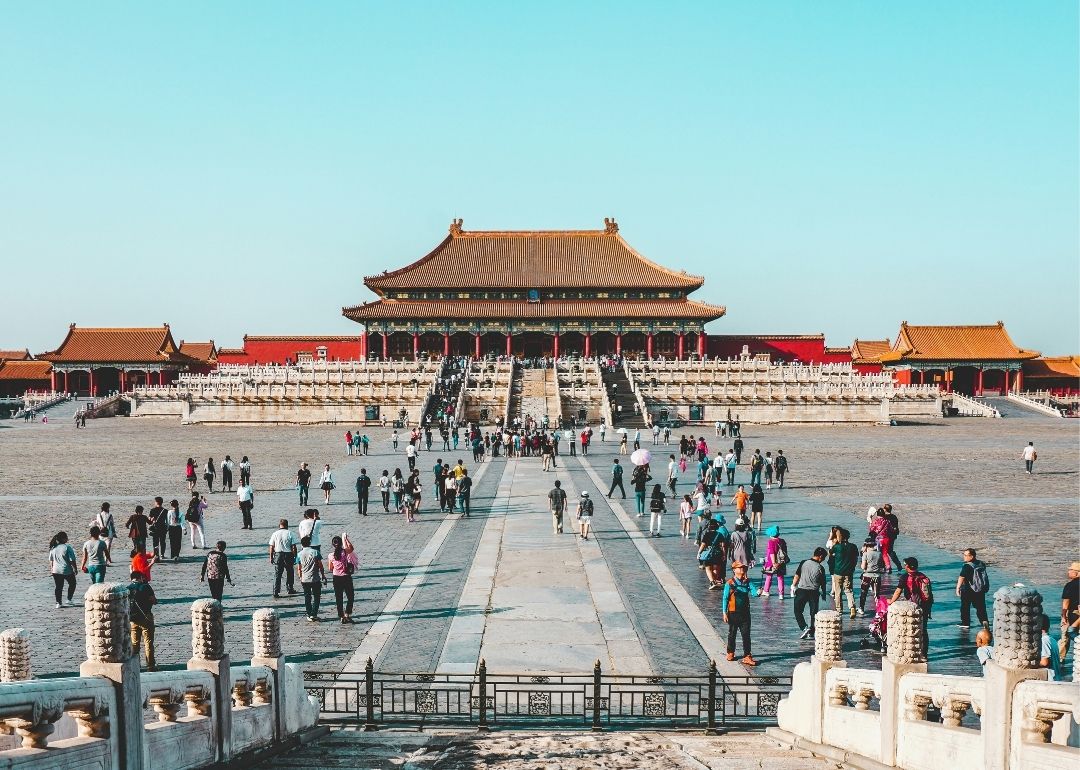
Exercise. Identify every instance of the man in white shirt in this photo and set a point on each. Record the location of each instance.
(410, 455)
(282, 555)
(1029, 457)
(672, 474)
(311, 526)
(655, 435)
(245, 499)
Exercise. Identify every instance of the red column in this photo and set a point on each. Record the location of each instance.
(555, 348)
(509, 346)
(948, 380)
(701, 344)
(979, 384)
(682, 346)
(648, 345)
(476, 340)
(1019, 380)
(66, 388)
(385, 345)
(122, 383)
(446, 344)
(90, 382)
(588, 343)
(364, 345)
(416, 344)
(52, 379)
(618, 344)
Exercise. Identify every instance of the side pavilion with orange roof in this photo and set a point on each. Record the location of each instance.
(533, 293)
(974, 360)
(97, 361)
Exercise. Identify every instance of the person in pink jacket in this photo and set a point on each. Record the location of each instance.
(775, 564)
(342, 564)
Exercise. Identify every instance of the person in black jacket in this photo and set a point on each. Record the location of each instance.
(363, 487)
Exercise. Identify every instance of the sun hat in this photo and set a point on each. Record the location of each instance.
(772, 531)
(584, 494)
(719, 517)
(737, 565)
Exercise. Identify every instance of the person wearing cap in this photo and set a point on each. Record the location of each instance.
(743, 543)
(736, 604)
(1070, 610)
(584, 515)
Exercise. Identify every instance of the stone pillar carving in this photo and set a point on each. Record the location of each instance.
(266, 635)
(208, 654)
(14, 655)
(109, 655)
(35, 728)
(828, 636)
(1017, 633)
(905, 656)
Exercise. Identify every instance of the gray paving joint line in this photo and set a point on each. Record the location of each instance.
(383, 628)
(695, 619)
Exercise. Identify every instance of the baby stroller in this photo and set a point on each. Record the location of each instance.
(875, 640)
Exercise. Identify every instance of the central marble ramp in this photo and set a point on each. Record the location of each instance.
(536, 601)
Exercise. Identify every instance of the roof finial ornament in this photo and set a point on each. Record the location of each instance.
(455, 226)
(610, 226)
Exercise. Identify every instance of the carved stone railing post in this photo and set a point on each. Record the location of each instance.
(828, 653)
(1017, 633)
(109, 655)
(208, 654)
(15, 655)
(266, 637)
(905, 656)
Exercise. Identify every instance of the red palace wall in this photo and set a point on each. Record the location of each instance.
(782, 348)
(283, 349)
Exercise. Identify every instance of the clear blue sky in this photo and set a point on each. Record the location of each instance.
(829, 167)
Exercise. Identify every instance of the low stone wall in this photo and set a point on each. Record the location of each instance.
(868, 412)
(296, 413)
(211, 714)
(904, 717)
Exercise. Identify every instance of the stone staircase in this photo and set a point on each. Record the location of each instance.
(619, 392)
(534, 401)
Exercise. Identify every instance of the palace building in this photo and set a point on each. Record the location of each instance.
(533, 293)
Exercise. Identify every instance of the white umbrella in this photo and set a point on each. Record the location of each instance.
(621, 430)
(641, 457)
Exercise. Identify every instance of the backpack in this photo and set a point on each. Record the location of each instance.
(616, 472)
(587, 508)
(780, 463)
(980, 581)
(922, 593)
(781, 558)
(756, 462)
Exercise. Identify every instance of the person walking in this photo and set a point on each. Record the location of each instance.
(656, 511)
(104, 521)
(245, 501)
(311, 527)
(807, 585)
(713, 544)
(384, 490)
(141, 601)
(397, 488)
(736, 604)
(194, 518)
(972, 586)
(672, 474)
(363, 491)
(843, 559)
(757, 507)
(757, 465)
(568, 436)
(872, 565)
(62, 568)
(743, 544)
(159, 527)
(343, 563)
(775, 563)
(737, 448)
(140, 562)
(245, 470)
(449, 490)
(226, 474)
(686, 512)
(655, 434)
(584, 515)
(768, 468)
(138, 527)
(303, 483)
(215, 570)
(348, 443)
(731, 464)
(326, 484)
(209, 473)
(780, 467)
(1070, 610)
(282, 555)
(916, 588)
(557, 504)
(1029, 456)
(616, 478)
(189, 474)
(309, 568)
(740, 500)
(96, 556)
(175, 521)
(893, 533)
(464, 493)
(410, 455)
(639, 480)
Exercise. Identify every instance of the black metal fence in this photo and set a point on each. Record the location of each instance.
(597, 701)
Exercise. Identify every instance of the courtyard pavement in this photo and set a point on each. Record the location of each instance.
(446, 591)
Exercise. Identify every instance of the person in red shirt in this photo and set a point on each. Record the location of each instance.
(141, 563)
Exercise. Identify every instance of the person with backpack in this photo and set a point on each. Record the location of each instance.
(775, 562)
(780, 467)
(342, 564)
(104, 522)
(215, 570)
(714, 542)
(871, 565)
(62, 568)
(893, 533)
(639, 479)
(656, 511)
(736, 604)
(557, 504)
(138, 527)
(915, 587)
(757, 465)
(972, 587)
(584, 515)
(843, 558)
(194, 517)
